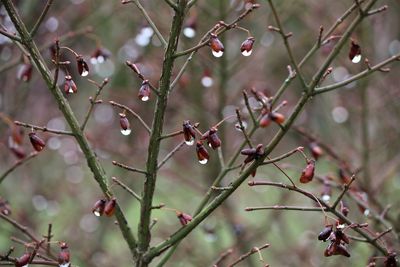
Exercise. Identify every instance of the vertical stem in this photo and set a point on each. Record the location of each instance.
(365, 137)
(144, 235)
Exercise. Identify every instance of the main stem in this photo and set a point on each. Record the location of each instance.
(144, 234)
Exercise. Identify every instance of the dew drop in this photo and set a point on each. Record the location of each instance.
(189, 32)
(237, 126)
(325, 198)
(96, 213)
(145, 98)
(70, 91)
(93, 60)
(100, 59)
(204, 161)
(207, 81)
(190, 142)
(366, 212)
(217, 54)
(356, 59)
(84, 73)
(126, 132)
(247, 53)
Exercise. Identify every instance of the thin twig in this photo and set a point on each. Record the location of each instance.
(16, 164)
(345, 189)
(222, 257)
(281, 157)
(93, 101)
(251, 113)
(9, 35)
(170, 154)
(127, 188)
(43, 129)
(248, 254)
(41, 18)
(126, 167)
(279, 207)
(113, 103)
(243, 129)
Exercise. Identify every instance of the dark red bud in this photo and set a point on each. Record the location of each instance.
(18, 151)
(184, 218)
(109, 209)
(213, 138)
(324, 235)
(69, 85)
(277, 117)
(216, 46)
(124, 123)
(98, 208)
(23, 260)
(316, 150)
(265, 120)
(37, 143)
(189, 133)
(341, 250)
(355, 52)
(64, 255)
(248, 151)
(308, 173)
(83, 67)
(390, 260)
(202, 153)
(247, 46)
(144, 91)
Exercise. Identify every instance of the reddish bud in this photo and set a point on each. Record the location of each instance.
(212, 138)
(341, 236)
(247, 46)
(25, 72)
(98, 208)
(189, 133)
(109, 209)
(37, 143)
(316, 150)
(341, 250)
(308, 173)
(4, 207)
(265, 120)
(184, 218)
(202, 153)
(355, 52)
(99, 55)
(23, 260)
(69, 85)
(252, 153)
(277, 117)
(216, 45)
(124, 123)
(83, 67)
(390, 260)
(64, 255)
(324, 235)
(144, 91)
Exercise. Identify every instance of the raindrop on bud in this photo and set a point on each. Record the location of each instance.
(355, 52)
(83, 67)
(144, 91)
(216, 45)
(247, 46)
(124, 123)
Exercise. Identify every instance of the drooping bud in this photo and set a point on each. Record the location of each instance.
(98, 208)
(212, 138)
(355, 52)
(184, 218)
(37, 143)
(189, 30)
(390, 260)
(64, 255)
(124, 123)
(341, 250)
(265, 120)
(341, 236)
(109, 209)
(23, 260)
(277, 117)
(69, 85)
(247, 46)
(25, 72)
(308, 173)
(252, 153)
(144, 91)
(324, 235)
(202, 153)
(83, 67)
(217, 48)
(316, 150)
(189, 133)
(99, 55)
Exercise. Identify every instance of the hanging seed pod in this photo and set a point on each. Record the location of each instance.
(69, 85)
(64, 255)
(252, 153)
(308, 173)
(37, 143)
(316, 150)
(217, 48)
(355, 52)
(341, 250)
(124, 123)
(212, 138)
(189, 133)
(247, 46)
(109, 209)
(390, 260)
(25, 72)
(184, 218)
(83, 67)
(23, 261)
(330, 249)
(98, 208)
(265, 120)
(277, 117)
(202, 153)
(324, 235)
(341, 236)
(144, 91)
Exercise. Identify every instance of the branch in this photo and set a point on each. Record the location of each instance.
(124, 186)
(126, 167)
(345, 189)
(93, 101)
(41, 18)
(171, 4)
(9, 35)
(170, 154)
(278, 207)
(137, 116)
(16, 164)
(251, 252)
(222, 257)
(43, 129)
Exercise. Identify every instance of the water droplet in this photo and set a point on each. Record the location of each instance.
(207, 81)
(356, 59)
(93, 60)
(237, 126)
(96, 213)
(70, 91)
(189, 32)
(84, 73)
(204, 161)
(190, 142)
(145, 98)
(126, 132)
(247, 53)
(217, 54)
(325, 198)
(366, 212)
(100, 59)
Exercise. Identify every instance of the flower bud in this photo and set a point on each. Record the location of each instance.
(316, 150)
(124, 123)
(37, 143)
(212, 138)
(308, 173)
(265, 120)
(69, 85)
(83, 67)
(390, 260)
(217, 48)
(109, 209)
(247, 46)
(184, 218)
(64, 255)
(23, 260)
(324, 235)
(277, 117)
(202, 154)
(144, 91)
(25, 72)
(355, 52)
(189, 133)
(98, 208)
